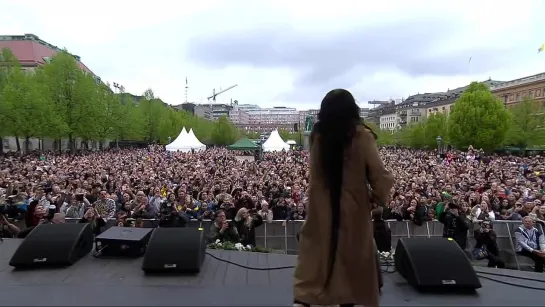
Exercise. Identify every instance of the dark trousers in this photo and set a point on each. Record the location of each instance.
(538, 261)
(495, 261)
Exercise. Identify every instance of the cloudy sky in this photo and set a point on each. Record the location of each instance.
(290, 53)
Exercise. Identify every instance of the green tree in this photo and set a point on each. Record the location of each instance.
(8, 64)
(384, 137)
(130, 120)
(61, 101)
(417, 137)
(151, 110)
(109, 110)
(252, 135)
(478, 118)
(73, 94)
(224, 133)
(527, 124)
(25, 110)
(170, 125)
(435, 125)
(411, 135)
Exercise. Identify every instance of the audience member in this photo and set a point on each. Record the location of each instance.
(531, 243)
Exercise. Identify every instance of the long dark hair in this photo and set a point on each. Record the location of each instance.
(336, 126)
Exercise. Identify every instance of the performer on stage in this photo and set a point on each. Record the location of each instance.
(336, 263)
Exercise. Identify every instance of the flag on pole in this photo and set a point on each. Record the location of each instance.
(541, 48)
(469, 60)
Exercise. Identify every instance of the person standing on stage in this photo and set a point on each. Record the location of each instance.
(336, 263)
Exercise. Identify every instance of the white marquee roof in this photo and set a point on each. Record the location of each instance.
(185, 143)
(275, 143)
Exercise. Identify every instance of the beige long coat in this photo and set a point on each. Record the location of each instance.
(354, 279)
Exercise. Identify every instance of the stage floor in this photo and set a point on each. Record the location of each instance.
(121, 282)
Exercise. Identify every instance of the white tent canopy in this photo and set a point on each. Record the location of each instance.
(275, 143)
(194, 141)
(182, 143)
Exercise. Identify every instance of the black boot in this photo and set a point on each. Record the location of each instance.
(301, 303)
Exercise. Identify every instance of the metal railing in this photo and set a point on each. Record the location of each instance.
(279, 238)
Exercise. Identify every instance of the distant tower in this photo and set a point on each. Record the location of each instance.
(186, 87)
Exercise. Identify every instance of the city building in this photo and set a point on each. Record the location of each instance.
(212, 111)
(413, 110)
(239, 117)
(511, 92)
(446, 101)
(364, 112)
(382, 108)
(389, 121)
(189, 107)
(253, 118)
(32, 52)
(440, 106)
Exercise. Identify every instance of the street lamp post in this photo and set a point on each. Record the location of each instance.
(439, 140)
(300, 132)
(121, 89)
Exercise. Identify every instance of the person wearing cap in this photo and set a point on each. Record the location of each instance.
(485, 242)
(456, 224)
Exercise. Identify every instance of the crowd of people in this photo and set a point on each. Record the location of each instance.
(131, 185)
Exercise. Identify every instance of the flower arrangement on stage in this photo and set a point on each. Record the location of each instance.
(387, 256)
(236, 247)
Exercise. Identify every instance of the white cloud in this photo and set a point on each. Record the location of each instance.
(142, 44)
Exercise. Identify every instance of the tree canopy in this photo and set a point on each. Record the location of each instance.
(477, 118)
(527, 126)
(60, 101)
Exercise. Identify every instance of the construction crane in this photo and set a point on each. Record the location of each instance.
(212, 99)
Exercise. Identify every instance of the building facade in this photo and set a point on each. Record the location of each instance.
(265, 128)
(239, 117)
(212, 111)
(364, 112)
(511, 92)
(374, 114)
(188, 107)
(440, 106)
(253, 118)
(414, 109)
(389, 121)
(447, 99)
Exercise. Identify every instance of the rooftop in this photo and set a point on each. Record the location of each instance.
(441, 98)
(29, 49)
(518, 82)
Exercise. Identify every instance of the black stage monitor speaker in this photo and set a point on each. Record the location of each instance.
(123, 242)
(435, 264)
(175, 250)
(53, 245)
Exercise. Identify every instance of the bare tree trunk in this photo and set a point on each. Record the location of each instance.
(27, 144)
(18, 144)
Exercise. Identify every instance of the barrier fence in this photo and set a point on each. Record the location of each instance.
(279, 238)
